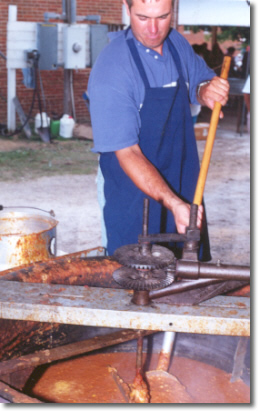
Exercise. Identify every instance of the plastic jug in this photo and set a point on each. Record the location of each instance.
(45, 121)
(66, 126)
(55, 128)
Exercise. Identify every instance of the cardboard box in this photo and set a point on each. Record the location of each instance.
(201, 131)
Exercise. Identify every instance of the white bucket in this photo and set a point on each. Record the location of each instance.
(66, 126)
(45, 121)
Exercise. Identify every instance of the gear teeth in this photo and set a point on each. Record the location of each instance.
(132, 279)
(130, 256)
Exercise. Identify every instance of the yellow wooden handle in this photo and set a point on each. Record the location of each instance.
(210, 140)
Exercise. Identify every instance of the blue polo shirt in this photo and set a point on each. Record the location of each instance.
(116, 90)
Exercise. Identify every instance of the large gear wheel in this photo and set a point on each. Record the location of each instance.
(142, 280)
(132, 256)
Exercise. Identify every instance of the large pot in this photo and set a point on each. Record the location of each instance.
(26, 237)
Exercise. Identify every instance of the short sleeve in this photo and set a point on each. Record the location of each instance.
(115, 119)
(114, 111)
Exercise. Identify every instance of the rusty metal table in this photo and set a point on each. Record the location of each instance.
(102, 307)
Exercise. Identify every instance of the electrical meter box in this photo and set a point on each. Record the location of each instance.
(98, 40)
(74, 47)
(47, 45)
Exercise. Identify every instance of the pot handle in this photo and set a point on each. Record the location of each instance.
(52, 247)
(51, 212)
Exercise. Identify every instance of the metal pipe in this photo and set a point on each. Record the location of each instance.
(145, 217)
(72, 269)
(72, 11)
(64, 7)
(190, 250)
(69, 11)
(139, 353)
(70, 6)
(166, 351)
(15, 396)
(145, 246)
(199, 270)
(141, 298)
(181, 286)
(72, 95)
(193, 216)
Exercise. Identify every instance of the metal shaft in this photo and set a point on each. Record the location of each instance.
(179, 287)
(145, 246)
(139, 353)
(197, 269)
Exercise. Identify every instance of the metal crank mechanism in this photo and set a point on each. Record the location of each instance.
(145, 265)
(149, 268)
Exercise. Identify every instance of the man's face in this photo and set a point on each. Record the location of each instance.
(151, 21)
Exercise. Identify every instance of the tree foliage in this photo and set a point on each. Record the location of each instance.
(226, 33)
(234, 33)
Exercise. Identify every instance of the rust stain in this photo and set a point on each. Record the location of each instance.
(243, 291)
(28, 238)
(238, 328)
(28, 249)
(233, 312)
(68, 270)
(20, 337)
(163, 360)
(241, 305)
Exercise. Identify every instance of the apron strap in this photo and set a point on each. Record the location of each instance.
(177, 61)
(181, 78)
(138, 62)
(141, 69)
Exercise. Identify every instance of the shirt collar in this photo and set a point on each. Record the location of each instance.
(129, 34)
(144, 49)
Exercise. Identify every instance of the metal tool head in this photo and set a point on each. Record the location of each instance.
(142, 280)
(155, 257)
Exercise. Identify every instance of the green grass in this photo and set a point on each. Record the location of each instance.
(36, 159)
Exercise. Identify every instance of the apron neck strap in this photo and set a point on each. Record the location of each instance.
(138, 62)
(176, 59)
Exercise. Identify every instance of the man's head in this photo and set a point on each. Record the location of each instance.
(130, 2)
(150, 21)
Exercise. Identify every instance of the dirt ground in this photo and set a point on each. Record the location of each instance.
(73, 198)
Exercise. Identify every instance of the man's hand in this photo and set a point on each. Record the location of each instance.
(216, 90)
(181, 211)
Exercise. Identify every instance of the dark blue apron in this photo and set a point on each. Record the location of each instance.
(167, 140)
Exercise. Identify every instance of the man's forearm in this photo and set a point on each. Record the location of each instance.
(147, 178)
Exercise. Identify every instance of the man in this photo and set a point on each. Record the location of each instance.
(140, 91)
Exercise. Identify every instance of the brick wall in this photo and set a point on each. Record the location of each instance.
(33, 10)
